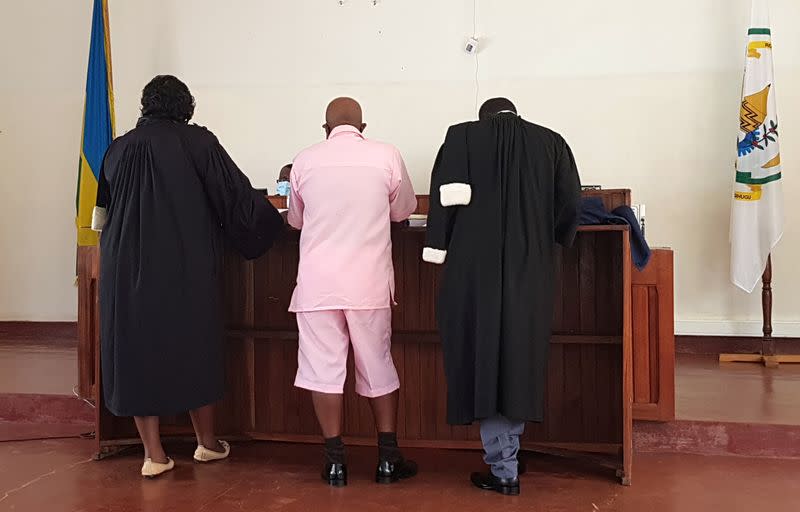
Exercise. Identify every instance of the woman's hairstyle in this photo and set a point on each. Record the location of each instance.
(166, 97)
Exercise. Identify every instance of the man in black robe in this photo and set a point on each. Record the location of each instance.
(503, 192)
(167, 193)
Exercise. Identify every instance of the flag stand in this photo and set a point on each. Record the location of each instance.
(767, 356)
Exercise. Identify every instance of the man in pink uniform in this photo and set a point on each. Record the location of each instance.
(345, 192)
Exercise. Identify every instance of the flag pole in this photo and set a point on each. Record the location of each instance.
(770, 359)
(768, 356)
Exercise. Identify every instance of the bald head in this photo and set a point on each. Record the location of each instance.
(343, 111)
(495, 106)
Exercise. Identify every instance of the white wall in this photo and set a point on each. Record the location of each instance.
(645, 92)
(43, 58)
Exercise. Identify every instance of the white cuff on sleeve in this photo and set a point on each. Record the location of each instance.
(455, 194)
(431, 255)
(98, 218)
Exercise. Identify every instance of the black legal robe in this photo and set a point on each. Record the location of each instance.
(171, 196)
(503, 192)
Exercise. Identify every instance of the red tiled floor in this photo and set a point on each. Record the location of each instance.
(60, 476)
(707, 390)
(27, 407)
(20, 431)
(718, 438)
(41, 369)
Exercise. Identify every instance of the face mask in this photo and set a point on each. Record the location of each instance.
(283, 188)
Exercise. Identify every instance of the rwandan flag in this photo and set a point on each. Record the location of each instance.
(98, 122)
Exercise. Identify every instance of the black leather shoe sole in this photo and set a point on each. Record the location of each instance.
(336, 483)
(507, 491)
(486, 483)
(386, 479)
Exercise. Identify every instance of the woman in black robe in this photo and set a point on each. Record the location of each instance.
(167, 193)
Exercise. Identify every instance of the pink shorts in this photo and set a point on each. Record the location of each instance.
(325, 338)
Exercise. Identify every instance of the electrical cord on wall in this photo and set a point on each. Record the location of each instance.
(477, 64)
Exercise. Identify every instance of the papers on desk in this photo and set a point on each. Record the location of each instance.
(418, 220)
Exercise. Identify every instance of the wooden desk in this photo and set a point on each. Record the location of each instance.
(590, 388)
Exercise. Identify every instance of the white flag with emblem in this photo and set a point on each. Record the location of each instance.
(757, 211)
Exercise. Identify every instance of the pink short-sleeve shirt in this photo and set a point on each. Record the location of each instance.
(345, 192)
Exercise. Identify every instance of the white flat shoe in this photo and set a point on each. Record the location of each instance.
(152, 469)
(203, 454)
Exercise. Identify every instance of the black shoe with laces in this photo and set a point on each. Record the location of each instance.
(489, 482)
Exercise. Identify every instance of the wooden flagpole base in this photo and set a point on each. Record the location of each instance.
(767, 356)
(768, 361)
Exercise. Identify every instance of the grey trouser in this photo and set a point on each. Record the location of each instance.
(500, 437)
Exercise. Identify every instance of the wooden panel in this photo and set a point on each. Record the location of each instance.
(625, 399)
(654, 334)
(641, 349)
(654, 339)
(234, 410)
(591, 408)
(271, 388)
(428, 382)
(570, 288)
(412, 391)
(88, 263)
(423, 204)
(274, 278)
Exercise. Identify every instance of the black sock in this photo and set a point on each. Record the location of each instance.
(387, 447)
(334, 450)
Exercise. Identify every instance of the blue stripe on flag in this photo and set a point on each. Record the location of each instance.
(97, 131)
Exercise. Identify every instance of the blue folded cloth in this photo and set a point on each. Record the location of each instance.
(593, 212)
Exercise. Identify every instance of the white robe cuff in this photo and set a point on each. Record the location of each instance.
(431, 255)
(98, 218)
(455, 194)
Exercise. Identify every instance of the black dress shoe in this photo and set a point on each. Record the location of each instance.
(390, 472)
(489, 482)
(335, 474)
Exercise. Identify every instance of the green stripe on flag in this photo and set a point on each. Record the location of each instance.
(759, 32)
(746, 178)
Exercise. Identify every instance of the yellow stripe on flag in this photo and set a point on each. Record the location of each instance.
(753, 195)
(87, 188)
